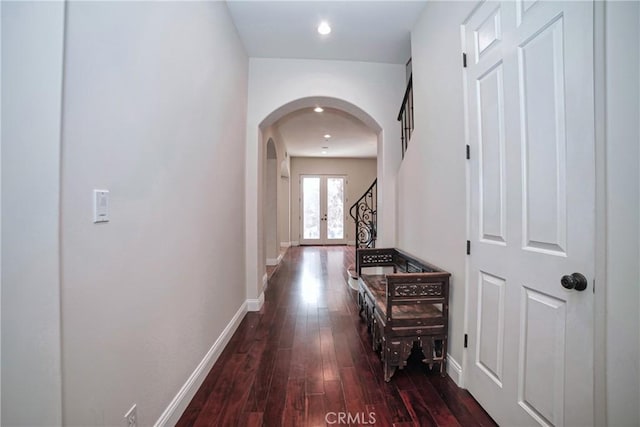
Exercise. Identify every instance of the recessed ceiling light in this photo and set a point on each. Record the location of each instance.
(318, 109)
(327, 136)
(324, 28)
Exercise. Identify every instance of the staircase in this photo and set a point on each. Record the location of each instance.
(365, 211)
(365, 214)
(405, 116)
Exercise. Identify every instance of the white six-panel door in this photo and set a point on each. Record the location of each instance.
(530, 111)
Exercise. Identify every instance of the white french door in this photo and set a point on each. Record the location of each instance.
(530, 109)
(322, 218)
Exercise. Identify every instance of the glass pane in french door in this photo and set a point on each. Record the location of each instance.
(335, 208)
(311, 207)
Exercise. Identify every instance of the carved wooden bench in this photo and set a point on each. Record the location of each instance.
(404, 309)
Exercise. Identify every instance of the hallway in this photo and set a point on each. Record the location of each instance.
(306, 358)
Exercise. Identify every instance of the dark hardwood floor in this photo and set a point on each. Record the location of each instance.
(306, 360)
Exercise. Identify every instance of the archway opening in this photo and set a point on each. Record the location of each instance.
(284, 229)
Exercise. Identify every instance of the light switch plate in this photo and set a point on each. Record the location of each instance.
(100, 206)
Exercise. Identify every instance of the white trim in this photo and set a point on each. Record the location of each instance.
(179, 403)
(351, 243)
(600, 262)
(454, 370)
(275, 261)
(295, 243)
(285, 244)
(265, 282)
(466, 321)
(59, 251)
(255, 304)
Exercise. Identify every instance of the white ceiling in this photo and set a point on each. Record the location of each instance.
(373, 31)
(370, 31)
(303, 132)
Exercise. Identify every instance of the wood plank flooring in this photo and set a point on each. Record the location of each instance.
(306, 360)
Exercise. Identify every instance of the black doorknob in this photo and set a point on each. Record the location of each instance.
(575, 281)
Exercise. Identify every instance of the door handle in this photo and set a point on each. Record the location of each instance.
(574, 281)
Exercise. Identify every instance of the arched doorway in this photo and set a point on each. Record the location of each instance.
(267, 247)
(370, 92)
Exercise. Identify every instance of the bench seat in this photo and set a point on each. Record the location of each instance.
(377, 289)
(405, 309)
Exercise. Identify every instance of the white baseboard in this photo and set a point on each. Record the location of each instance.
(285, 244)
(294, 243)
(255, 304)
(353, 283)
(274, 261)
(454, 370)
(174, 411)
(265, 282)
(351, 243)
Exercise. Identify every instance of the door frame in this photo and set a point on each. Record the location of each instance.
(600, 231)
(600, 263)
(323, 240)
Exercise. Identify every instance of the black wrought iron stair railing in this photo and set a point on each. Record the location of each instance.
(405, 116)
(365, 214)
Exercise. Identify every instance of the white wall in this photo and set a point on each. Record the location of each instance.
(32, 51)
(272, 172)
(272, 133)
(360, 174)
(154, 111)
(375, 88)
(431, 183)
(284, 207)
(622, 212)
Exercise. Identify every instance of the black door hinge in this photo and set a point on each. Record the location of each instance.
(468, 152)
(468, 247)
(466, 340)
(464, 60)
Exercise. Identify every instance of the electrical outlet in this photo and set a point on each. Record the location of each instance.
(132, 416)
